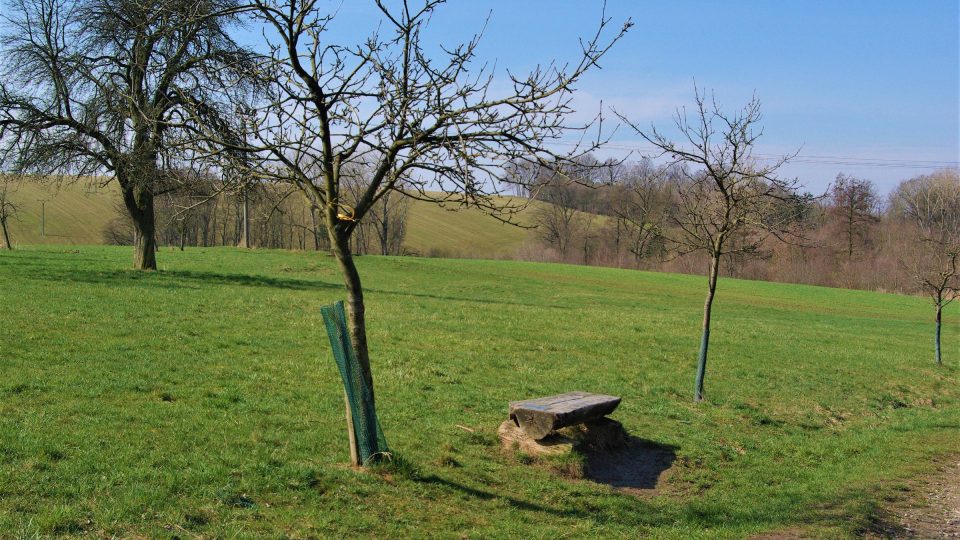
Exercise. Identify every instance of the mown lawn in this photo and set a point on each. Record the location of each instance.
(202, 400)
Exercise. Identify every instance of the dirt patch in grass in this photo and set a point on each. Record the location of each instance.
(785, 534)
(933, 513)
(929, 509)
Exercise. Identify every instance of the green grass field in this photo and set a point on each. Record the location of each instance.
(202, 401)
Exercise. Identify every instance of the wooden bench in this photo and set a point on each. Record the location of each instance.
(539, 417)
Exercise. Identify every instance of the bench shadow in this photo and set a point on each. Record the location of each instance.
(636, 465)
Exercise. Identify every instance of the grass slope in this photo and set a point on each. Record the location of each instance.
(201, 400)
(75, 215)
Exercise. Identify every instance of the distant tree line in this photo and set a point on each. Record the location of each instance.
(853, 237)
(199, 212)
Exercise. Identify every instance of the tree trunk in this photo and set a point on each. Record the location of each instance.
(385, 233)
(351, 433)
(705, 338)
(6, 235)
(316, 230)
(937, 336)
(850, 238)
(616, 244)
(245, 226)
(356, 318)
(356, 323)
(139, 202)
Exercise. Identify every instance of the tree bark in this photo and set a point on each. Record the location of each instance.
(850, 222)
(383, 225)
(316, 231)
(139, 202)
(6, 235)
(385, 233)
(356, 318)
(245, 225)
(351, 433)
(937, 336)
(356, 323)
(705, 338)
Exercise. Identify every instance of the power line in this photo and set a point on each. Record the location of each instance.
(852, 161)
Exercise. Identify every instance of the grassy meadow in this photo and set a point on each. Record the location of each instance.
(202, 400)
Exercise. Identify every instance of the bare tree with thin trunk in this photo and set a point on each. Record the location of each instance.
(8, 209)
(100, 86)
(728, 201)
(854, 206)
(417, 114)
(558, 220)
(931, 204)
(384, 226)
(642, 206)
(389, 219)
(243, 240)
(524, 177)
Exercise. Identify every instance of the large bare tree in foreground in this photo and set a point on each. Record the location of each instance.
(97, 87)
(728, 201)
(8, 209)
(931, 204)
(412, 112)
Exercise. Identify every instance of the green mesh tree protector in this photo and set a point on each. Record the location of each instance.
(371, 444)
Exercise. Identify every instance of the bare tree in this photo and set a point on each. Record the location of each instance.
(729, 201)
(571, 194)
(8, 209)
(417, 114)
(932, 205)
(557, 218)
(389, 219)
(524, 177)
(99, 86)
(384, 226)
(642, 206)
(854, 206)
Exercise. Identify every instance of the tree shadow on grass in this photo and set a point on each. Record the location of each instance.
(250, 280)
(489, 301)
(487, 496)
(634, 467)
(174, 279)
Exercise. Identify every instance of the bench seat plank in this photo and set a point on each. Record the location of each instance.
(538, 417)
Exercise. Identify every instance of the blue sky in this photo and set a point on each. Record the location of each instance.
(846, 82)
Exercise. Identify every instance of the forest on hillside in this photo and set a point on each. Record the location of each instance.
(851, 236)
(611, 214)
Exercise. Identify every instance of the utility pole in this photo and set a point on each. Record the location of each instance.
(43, 217)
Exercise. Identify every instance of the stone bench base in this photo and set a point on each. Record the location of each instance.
(600, 434)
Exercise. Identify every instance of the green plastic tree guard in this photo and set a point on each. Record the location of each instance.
(371, 444)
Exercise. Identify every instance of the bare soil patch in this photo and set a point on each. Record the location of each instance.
(934, 514)
(600, 451)
(929, 510)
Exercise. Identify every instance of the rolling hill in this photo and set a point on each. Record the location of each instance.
(75, 214)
